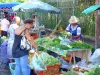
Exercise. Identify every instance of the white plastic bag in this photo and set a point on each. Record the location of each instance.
(37, 63)
(96, 56)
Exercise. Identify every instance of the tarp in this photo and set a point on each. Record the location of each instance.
(36, 6)
(8, 5)
(91, 9)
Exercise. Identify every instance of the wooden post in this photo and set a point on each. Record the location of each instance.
(97, 30)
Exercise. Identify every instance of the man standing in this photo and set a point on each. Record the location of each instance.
(5, 24)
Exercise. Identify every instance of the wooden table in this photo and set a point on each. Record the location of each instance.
(84, 53)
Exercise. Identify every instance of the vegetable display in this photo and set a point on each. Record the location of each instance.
(47, 60)
(55, 42)
(42, 60)
(80, 45)
(48, 42)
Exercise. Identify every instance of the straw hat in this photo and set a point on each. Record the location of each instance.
(73, 19)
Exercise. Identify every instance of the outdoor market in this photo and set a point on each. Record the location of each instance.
(38, 38)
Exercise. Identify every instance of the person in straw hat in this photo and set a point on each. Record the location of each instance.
(74, 28)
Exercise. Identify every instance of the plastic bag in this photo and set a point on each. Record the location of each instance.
(35, 63)
(96, 56)
(64, 63)
(65, 42)
(3, 55)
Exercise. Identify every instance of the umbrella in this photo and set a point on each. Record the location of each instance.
(91, 9)
(36, 5)
(8, 5)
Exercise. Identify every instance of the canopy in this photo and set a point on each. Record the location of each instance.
(36, 5)
(91, 9)
(8, 5)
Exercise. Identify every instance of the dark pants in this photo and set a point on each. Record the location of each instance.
(3, 33)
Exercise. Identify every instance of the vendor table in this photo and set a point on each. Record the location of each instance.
(81, 53)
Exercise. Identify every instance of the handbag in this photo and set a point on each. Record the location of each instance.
(25, 44)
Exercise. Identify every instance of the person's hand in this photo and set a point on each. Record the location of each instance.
(36, 50)
(69, 36)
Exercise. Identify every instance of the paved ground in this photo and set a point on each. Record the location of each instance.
(5, 71)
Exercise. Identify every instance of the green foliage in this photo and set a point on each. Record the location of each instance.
(87, 22)
(95, 71)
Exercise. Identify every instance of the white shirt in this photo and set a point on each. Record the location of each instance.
(11, 30)
(74, 28)
(4, 24)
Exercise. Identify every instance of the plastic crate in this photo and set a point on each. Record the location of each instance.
(12, 68)
(51, 70)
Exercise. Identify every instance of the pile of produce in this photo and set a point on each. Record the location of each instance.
(80, 45)
(40, 61)
(47, 60)
(44, 40)
(55, 42)
(48, 42)
(41, 48)
(95, 71)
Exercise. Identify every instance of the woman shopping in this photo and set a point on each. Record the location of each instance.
(21, 55)
(74, 28)
(11, 30)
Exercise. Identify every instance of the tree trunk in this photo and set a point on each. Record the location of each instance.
(97, 30)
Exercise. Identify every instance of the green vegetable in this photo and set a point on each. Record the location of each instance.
(80, 45)
(55, 42)
(41, 48)
(47, 60)
(63, 47)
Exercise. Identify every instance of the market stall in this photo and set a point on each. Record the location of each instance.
(63, 46)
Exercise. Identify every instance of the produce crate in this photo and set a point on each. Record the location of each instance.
(51, 70)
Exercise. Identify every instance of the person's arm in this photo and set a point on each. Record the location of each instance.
(68, 28)
(30, 39)
(76, 36)
(8, 24)
(19, 30)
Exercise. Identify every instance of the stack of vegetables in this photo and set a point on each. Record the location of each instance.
(47, 59)
(42, 60)
(47, 42)
(80, 45)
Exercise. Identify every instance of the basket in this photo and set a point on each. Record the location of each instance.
(12, 66)
(51, 70)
